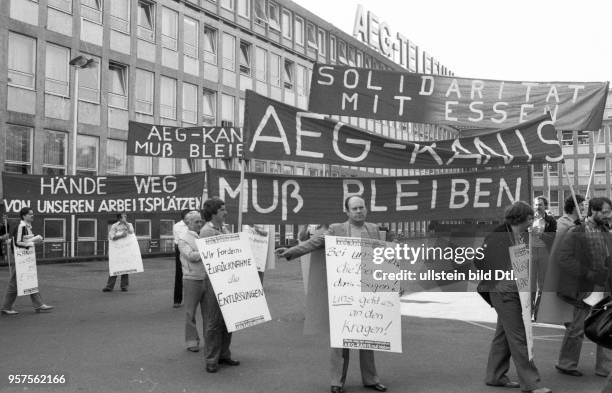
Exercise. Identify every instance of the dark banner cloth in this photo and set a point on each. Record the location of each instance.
(456, 102)
(92, 195)
(183, 142)
(275, 199)
(277, 131)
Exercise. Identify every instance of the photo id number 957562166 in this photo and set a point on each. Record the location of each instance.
(37, 379)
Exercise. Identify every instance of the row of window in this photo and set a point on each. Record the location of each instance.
(22, 73)
(54, 229)
(585, 137)
(581, 165)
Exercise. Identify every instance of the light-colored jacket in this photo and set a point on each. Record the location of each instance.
(178, 229)
(118, 228)
(191, 262)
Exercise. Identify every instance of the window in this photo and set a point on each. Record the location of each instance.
(89, 82)
(321, 42)
(87, 155)
(583, 137)
(21, 61)
(567, 138)
(274, 15)
(300, 80)
(538, 170)
(342, 52)
(169, 28)
(286, 23)
(600, 166)
(144, 91)
(227, 108)
(553, 170)
(116, 157)
(118, 86)
(260, 11)
(57, 70)
(245, 58)
(190, 37)
(210, 45)
(54, 153)
(54, 229)
(143, 165)
(167, 98)
(351, 56)
(332, 48)
(228, 4)
(143, 228)
(260, 64)
(229, 50)
(288, 75)
(260, 166)
(62, 5)
(299, 30)
(244, 8)
(209, 108)
(86, 229)
(240, 112)
(190, 103)
(274, 69)
(146, 20)
(166, 235)
(120, 15)
(18, 153)
(311, 35)
(91, 10)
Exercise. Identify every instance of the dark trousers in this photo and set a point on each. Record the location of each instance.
(510, 341)
(178, 277)
(217, 339)
(110, 284)
(339, 361)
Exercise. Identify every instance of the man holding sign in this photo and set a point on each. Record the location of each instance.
(356, 226)
(117, 231)
(216, 337)
(25, 261)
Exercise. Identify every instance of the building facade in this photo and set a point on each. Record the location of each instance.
(177, 63)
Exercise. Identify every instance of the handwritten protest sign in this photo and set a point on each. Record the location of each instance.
(259, 241)
(519, 256)
(359, 318)
(230, 266)
(124, 256)
(25, 271)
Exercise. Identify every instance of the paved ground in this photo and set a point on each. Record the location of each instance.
(133, 342)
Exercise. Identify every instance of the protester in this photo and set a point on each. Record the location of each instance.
(217, 339)
(177, 230)
(117, 231)
(193, 278)
(23, 237)
(584, 259)
(356, 226)
(510, 339)
(543, 234)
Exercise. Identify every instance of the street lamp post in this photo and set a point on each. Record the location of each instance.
(78, 63)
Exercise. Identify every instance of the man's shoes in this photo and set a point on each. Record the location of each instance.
(44, 307)
(337, 389)
(509, 384)
(107, 290)
(212, 368)
(539, 390)
(229, 362)
(177, 305)
(9, 312)
(123, 289)
(602, 374)
(377, 386)
(573, 373)
(193, 349)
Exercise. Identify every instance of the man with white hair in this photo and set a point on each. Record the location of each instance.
(193, 277)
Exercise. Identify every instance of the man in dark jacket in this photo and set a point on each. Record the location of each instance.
(542, 236)
(584, 260)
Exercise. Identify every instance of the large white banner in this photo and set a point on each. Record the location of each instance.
(25, 271)
(124, 256)
(363, 313)
(259, 239)
(519, 256)
(231, 268)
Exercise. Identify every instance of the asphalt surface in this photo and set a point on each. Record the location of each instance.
(134, 341)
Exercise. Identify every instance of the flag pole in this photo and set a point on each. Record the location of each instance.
(571, 186)
(241, 194)
(594, 160)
